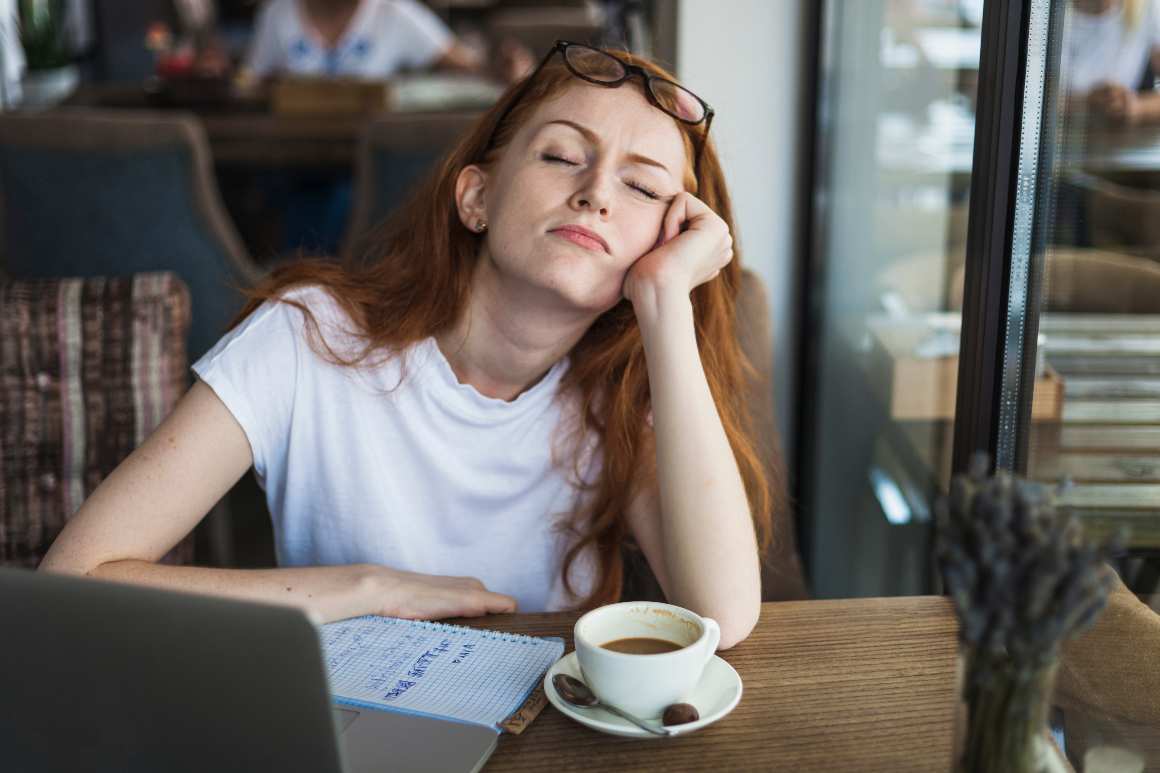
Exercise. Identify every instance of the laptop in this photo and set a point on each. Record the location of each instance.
(101, 676)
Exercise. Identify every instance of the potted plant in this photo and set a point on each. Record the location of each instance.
(50, 75)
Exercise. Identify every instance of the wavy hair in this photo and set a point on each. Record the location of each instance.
(414, 282)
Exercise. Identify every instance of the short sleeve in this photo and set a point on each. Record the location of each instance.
(427, 36)
(254, 370)
(264, 55)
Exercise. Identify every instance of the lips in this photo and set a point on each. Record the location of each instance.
(582, 236)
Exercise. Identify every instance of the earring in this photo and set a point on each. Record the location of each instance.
(480, 227)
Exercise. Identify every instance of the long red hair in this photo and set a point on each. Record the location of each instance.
(415, 283)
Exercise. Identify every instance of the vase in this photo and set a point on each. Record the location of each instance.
(1006, 716)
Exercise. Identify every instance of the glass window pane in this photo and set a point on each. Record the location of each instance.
(896, 113)
(1096, 401)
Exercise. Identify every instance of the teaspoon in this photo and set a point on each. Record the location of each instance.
(577, 693)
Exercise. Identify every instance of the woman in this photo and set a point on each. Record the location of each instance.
(1111, 44)
(363, 39)
(540, 366)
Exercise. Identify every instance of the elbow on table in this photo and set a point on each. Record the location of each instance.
(736, 629)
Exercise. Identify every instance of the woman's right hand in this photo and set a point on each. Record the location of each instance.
(418, 596)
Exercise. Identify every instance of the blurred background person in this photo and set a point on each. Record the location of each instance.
(1111, 58)
(370, 39)
(367, 39)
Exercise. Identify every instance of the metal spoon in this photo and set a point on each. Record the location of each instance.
(577, 693)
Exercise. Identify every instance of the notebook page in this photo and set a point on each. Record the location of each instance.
(471, 675)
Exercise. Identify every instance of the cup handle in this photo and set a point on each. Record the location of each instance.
(713, 636)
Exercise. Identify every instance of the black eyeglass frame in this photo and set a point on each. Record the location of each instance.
(630, 70)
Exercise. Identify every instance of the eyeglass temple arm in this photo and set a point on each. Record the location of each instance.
(704, 142)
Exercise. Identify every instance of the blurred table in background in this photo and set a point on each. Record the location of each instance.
(274, 126)
(1096, 415)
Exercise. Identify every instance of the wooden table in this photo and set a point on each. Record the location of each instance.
(245, 133)
(866, 684)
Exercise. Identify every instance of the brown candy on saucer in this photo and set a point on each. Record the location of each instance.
(680, 714)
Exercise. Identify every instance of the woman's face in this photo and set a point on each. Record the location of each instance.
(600, 159)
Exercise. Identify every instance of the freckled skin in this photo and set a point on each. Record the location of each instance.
(528, 195)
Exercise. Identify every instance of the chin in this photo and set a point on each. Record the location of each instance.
(581, 286)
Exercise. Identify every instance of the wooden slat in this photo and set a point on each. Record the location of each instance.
(1073, 344)
(1125, 496)
(1096, 468)
(1088, 388)
(865, 684)
(1129, 366)
(1143, 529)
(1110, 438)
(1052, 324)
(1111, 412)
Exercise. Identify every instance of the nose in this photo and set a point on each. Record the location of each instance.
(594, 192)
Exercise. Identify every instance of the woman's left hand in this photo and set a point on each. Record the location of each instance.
(1116, 103)
(693, 246)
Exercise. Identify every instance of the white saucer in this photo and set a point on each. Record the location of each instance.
(714, 696)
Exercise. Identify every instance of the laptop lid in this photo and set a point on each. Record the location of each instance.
(99, 676)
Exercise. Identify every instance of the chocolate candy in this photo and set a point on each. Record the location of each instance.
(680, 713)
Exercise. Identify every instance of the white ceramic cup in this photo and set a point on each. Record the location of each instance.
(644, 685)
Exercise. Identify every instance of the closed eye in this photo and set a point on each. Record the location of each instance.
(641, 189)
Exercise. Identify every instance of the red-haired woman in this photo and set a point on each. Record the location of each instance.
(537, 367)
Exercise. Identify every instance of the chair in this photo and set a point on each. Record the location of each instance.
(1095, 281)
(88, 193)
(88, 368)
(1115, 217)
(1087, 281)
(395, 153)
(782, 578)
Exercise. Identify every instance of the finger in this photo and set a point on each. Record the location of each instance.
(488, 603)
(685, 209)
(671, 225)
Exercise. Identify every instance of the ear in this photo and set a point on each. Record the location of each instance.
(470, 189)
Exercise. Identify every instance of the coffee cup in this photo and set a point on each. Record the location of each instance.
(644, 684)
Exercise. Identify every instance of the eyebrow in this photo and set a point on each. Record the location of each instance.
(592, 137)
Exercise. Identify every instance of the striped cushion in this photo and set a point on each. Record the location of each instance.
(88, 368)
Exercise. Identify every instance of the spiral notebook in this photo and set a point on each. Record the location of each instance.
(434, 669)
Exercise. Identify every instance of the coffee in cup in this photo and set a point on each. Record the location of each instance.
(642, 656)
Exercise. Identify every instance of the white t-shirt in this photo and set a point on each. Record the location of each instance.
(1101, 48)
(383, 37)
(423, 474)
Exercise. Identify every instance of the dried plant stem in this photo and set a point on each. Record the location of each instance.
(1015, 701)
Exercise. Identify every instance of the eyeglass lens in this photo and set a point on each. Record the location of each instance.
(594, 64)
(605, 68)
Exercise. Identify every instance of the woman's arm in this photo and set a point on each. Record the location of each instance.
(163, 489)
(1124, 106)
(697, 531)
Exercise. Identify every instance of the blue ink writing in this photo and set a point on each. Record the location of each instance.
(466, 650)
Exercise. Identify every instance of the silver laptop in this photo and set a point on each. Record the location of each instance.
(99, 676)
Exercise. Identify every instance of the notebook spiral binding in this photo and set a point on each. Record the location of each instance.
(515, 638)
